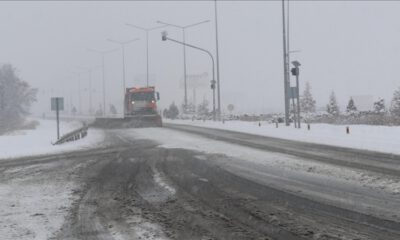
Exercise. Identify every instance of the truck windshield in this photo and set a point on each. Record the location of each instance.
(142, 96)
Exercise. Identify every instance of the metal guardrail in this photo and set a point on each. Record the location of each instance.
(73, 136)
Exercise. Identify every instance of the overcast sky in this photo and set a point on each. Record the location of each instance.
(352, 48)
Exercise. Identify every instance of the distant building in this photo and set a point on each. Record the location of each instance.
(363, 102)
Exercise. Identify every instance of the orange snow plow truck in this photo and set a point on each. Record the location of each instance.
(140, 110)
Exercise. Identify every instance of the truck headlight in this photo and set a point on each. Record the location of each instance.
(133, 102)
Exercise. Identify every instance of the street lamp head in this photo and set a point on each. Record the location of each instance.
(296, 63)
(164, 35)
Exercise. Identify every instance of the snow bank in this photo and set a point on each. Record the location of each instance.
(367, 137)
(39, 141)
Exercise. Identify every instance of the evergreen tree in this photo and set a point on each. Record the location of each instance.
(73, 111)
(165, 113)
(202, 109)
(332, 108)
(16, 97)
(173, 111)
(379, 106)
(351, 107)
(395, 104)
(113, 110)
(307, 102)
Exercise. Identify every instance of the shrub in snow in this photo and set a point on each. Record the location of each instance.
(172, 112)
(202, 109)
(332, 108)
(74, 111)
(113, 110)
(379, 106)
(16, 97)
(190, 108)
(395, 104)
(307, 102)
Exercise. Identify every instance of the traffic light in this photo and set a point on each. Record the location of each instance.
(295, 71)
(164, 35)
(212, 84)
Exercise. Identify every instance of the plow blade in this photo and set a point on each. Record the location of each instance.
(129, 122)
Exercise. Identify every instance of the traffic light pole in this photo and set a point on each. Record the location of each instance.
(213, 82)
(58, 118)
(298, 97)
(296, 72)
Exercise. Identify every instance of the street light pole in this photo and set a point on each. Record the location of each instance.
(89, 71)
(147, 58)
(102, 53)
(123, 44)
(164, 38)
(184, 52)
(184, 70)
(147, 30)
(78, 75)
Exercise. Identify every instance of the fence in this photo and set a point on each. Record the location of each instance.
(73, 136)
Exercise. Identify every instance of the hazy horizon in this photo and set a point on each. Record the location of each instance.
(351, 48)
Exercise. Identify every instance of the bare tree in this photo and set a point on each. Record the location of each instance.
(16, 97)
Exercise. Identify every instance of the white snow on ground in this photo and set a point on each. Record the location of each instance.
(367, 137)
(35, 200)
(39, 141)
(326, 172)
(148, 231)
(162, 183)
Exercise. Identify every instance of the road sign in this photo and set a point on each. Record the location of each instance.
(194, 81)
(293, 92)
(57, 104)
(55, 101)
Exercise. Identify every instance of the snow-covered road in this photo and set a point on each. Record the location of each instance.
(195, 183)
(317, 180)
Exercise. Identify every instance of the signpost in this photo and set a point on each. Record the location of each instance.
(57, 104)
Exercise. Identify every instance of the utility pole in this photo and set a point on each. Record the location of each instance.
(285, 66)
(217, 58)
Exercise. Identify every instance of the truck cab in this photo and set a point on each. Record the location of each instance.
(141, 101)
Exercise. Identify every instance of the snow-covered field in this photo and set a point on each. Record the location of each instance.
(367, 137)
(39, 141)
